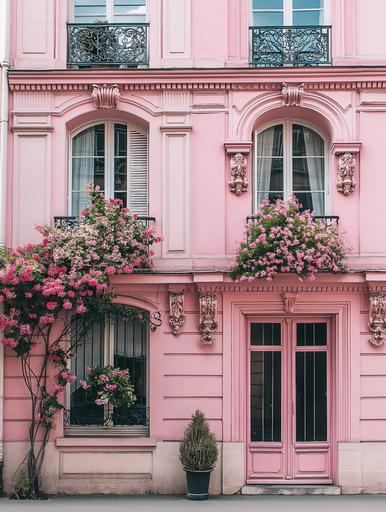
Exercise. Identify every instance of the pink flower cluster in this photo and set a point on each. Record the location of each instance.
(282, 239)
(109, 385)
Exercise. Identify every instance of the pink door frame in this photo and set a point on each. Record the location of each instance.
(295, 462)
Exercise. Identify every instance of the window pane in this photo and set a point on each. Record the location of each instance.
(308, 17)
(267, 4)
(265, 334)
(268, 19)
(311, 396)
(312, 201)
(130, 348)
(130, 11)
(89, 11)
(269, 171)
(307, 4)
(84, 411)
(265, 396)
(308, 174)
(89, 142)
(120, 140)
(311, 334)
(306, 142)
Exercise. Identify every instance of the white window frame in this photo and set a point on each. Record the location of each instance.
(108, 158)
(108, 359)
(287, 160)
(110, 11)
(288, 12)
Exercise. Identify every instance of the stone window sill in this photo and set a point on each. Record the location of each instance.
(147, 443)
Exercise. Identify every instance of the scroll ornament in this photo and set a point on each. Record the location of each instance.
(377, 321)
(208, 323)
(238, 182)
(176, 312)
(292, 94)
(346, 169)
(105, 96)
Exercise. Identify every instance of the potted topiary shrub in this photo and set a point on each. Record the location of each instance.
(198, 456)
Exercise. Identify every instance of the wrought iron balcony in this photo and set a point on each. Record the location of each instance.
(290, 46)
(107, 44)
(327, 219)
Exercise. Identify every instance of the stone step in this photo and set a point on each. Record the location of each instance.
(291, 490)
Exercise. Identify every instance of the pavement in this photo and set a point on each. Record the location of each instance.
(362, 503)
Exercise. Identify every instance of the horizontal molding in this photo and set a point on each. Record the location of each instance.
(323, 78)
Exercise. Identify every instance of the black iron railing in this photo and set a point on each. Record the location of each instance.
(290, 46)
(107, 44)
(72, 221)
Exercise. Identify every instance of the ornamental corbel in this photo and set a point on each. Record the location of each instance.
(208, 323)
(238, 161)
(292, 94)
(289, 301)
(176, 311)
(238, 182)
(346, 170)
(105, 96)
(377, 318)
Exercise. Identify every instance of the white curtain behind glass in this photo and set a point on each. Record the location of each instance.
(83, 162)
(264, 148)
(314, 148)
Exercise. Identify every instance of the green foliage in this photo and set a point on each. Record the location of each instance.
(198, 449)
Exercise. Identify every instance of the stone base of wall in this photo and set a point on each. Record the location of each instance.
(128, 466)
(122, 466)
(362, 467)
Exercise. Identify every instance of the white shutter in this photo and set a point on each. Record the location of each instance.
(138, 172)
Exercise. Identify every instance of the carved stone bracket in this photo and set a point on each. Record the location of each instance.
(105, 96)
(238, 160)
(289, 301)
(292, 94)
(346, 169)
(238, 182)
(377, 318)
(176, 311)
(208, 323)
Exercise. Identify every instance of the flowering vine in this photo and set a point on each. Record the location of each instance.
(281, 238)
(45, 287)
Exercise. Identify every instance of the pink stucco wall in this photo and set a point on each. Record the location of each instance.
(192, 116)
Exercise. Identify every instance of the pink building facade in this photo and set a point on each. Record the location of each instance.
(192, 117)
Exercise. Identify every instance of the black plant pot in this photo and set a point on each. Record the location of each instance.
(198, 485)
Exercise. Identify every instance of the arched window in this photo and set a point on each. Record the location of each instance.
(290, 158)
(111, 11)
(288, 12)
(114, 156)
(121, 343)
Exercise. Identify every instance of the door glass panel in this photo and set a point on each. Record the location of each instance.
(265, 334)
(311, 396)
(266, 396)
(311, 334)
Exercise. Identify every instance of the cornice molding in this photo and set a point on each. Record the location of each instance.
(334, 78)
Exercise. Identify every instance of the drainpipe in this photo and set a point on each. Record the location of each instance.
(4, 66)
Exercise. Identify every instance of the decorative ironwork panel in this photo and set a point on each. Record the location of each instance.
(109, 44)
(290, 46)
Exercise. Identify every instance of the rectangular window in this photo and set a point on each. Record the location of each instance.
(119, 343)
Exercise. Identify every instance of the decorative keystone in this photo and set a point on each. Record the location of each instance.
(105, 96)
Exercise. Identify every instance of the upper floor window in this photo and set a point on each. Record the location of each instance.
(111, 11)
(121, 343)
(288, 12)
(114, 156)
(290, 158)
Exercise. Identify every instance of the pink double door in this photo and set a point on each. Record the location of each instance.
(290, 437)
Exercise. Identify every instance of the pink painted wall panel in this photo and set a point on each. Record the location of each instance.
(374, 364)
(183, 407)
(192, 364)
(373, 408)
(373, 430)
(193, 386)
(209, 34)
(373, 386)
(208, 184)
